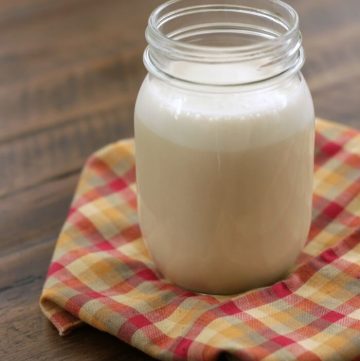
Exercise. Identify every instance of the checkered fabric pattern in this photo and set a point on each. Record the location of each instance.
(101, 273)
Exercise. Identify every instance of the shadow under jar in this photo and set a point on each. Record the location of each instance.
(224, 131)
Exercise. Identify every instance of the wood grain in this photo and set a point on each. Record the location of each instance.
(69, 74)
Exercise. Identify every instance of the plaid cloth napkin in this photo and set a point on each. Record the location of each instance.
(102, 275)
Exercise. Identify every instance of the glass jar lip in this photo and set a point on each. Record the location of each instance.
(274, 25)
(158, 39)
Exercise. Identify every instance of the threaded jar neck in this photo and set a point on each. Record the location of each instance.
(190, 39)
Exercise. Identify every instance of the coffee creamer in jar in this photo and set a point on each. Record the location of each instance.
(224, 130)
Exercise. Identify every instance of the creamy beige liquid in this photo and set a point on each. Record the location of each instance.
(224, 184)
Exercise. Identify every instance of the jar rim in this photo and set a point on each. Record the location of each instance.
(159, 37)
(282, 46)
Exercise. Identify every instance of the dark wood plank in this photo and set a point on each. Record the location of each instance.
(42, 39)
(58, 98)
(58, 111)
(331, 33)
(33, 217)
(37, 340)
(24, 258)
(49, 98)
(26, 335)
(55, 151)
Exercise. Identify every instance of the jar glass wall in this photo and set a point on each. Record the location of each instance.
(224, 131)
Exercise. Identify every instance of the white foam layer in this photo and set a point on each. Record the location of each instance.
(224, 121)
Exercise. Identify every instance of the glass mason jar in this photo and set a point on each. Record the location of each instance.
(224, 131)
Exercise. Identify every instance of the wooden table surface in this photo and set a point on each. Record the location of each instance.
(69, 74)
